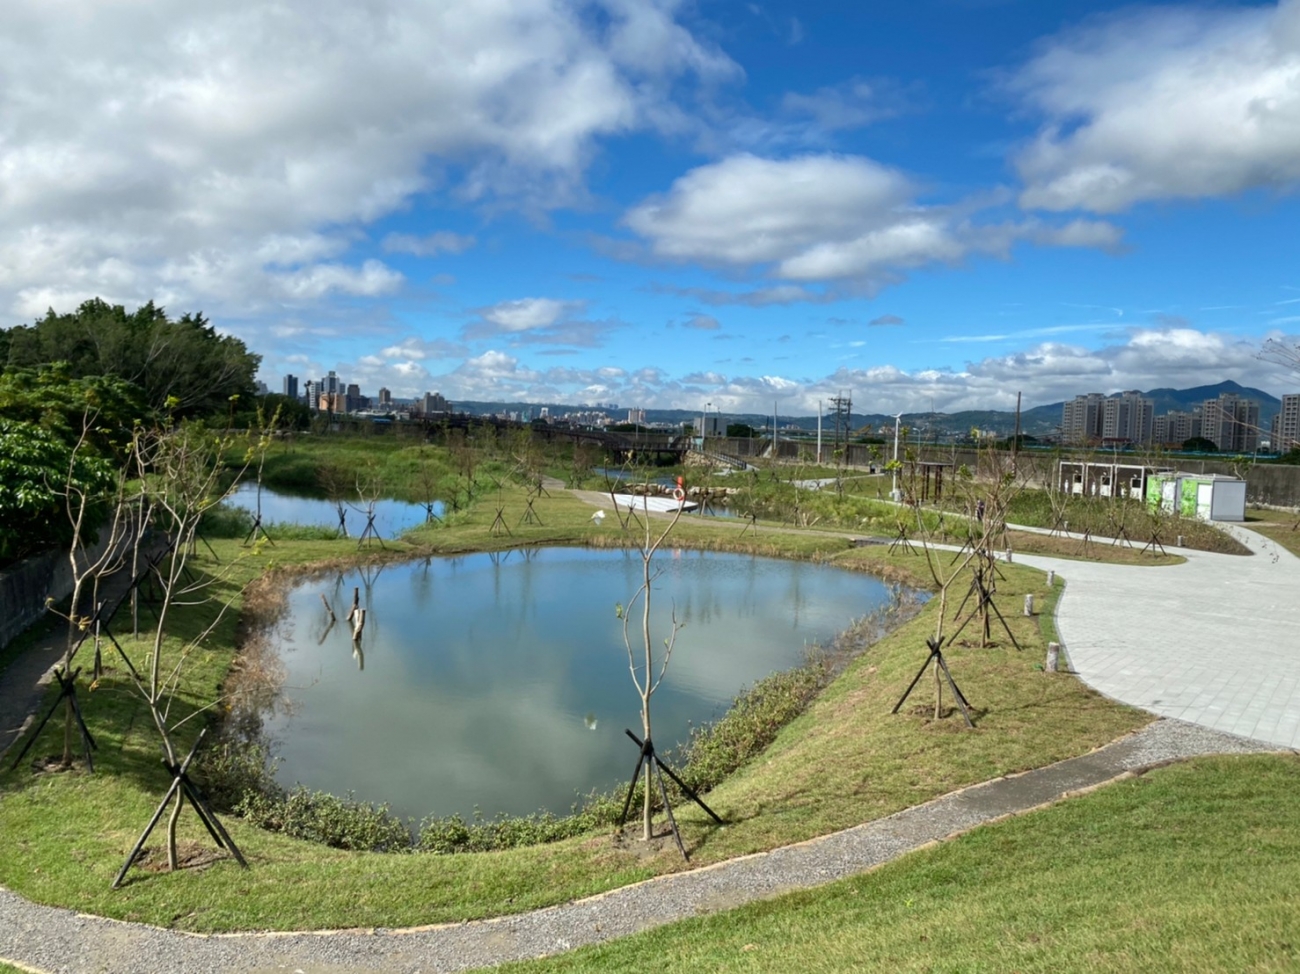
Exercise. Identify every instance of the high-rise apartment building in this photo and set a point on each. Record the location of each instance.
(385, 396)
(331, 385)
(1231, 423)
(1081, 419)
(1176, 427)
(1127, 418)
(434, 402)
(1286, 424)
(291, 386)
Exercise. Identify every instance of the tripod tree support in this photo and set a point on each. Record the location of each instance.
(183, 787)
(67, 691)
(936, 656)
(658, 769)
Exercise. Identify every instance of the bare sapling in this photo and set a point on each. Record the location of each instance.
(182, 471)
(102, 516)
(647, 670)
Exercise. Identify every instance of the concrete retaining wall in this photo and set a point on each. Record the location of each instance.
(24, 587)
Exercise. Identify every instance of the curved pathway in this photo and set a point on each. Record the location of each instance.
(1212, 641)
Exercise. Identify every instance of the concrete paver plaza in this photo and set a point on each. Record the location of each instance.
(1214, 641)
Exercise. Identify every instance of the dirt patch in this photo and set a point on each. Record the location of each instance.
(628, 839)
(189, 855)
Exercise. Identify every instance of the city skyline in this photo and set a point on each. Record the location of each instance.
(664, 204)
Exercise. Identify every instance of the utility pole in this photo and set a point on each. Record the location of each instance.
(843, 417)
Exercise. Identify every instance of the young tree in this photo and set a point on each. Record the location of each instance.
(646, 668)
(182, 470)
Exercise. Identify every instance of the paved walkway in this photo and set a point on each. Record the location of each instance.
(1214, 641)
(49, 939)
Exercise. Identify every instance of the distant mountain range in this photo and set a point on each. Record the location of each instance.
(1039, 421)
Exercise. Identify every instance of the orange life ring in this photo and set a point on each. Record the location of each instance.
(679, 495)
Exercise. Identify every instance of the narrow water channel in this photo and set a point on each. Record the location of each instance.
(501, 682)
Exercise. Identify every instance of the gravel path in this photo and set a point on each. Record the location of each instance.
(51, 939)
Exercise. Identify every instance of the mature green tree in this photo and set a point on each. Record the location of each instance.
(102, 409)
(182, 359)
(37, 470)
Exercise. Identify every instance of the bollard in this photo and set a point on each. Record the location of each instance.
(1008, 554)
(1180, 541)
(1051, 578)
(1029, 605)
(1067, 526)
(1053, 657)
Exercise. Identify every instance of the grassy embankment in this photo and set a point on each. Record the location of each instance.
(1188, 868)
(845, 760)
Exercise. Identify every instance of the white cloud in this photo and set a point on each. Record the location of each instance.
(848, 105)
(420, 349)
(371, 279)
(1164, 103)
(1046, 371)
(430, 245)
(823, 218)
(197, 165)
(540, 321)
(528, 313)
(747, 210)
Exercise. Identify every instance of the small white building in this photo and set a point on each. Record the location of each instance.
(1209, 497)
(1099, 479)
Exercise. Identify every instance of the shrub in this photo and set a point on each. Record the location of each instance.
(317, 816)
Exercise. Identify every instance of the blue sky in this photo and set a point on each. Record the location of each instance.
(927, 205)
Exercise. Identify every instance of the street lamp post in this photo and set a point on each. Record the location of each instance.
(894, 495)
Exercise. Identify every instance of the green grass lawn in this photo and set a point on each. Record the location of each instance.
(1192, 867)
(1279, 526)
(846, 760)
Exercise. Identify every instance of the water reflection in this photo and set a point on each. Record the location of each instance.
(391, 517)
(501, 681)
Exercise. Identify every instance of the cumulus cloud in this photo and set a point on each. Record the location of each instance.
(528, 313)
(886, 320)
(540, 321)
(702, 323)
(191, 167)
(429, 245)
(1046, 371)
(1164, 103)
(822, 218)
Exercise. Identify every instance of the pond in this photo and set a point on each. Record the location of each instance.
(500, 681)
(279, 507)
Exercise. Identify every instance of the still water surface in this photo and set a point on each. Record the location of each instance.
(501, 681)
(391, 517)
